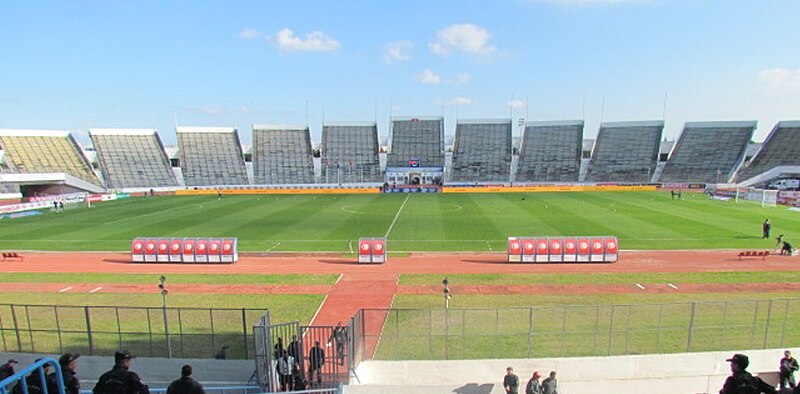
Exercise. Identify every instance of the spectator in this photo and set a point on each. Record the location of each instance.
(511, 382)
(788, 366)
(316, 360)
(34, 381)
(294, 348)
(7, 369)
(741, 381)
(120, 380)
(186, 384)
(222, 354)
(298, 379)
(69, 365)
(550, 385)
(534, 386)
(278, 350)
(765, 228)
(285, 368)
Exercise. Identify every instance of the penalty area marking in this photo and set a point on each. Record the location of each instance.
(639, 285)
(672, 286)
(66, 289)
(96, 289)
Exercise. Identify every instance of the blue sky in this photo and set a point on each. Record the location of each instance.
(76, 65)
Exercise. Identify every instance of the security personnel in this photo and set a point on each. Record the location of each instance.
(119, 380)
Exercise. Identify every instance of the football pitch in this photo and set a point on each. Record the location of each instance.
(411, 222)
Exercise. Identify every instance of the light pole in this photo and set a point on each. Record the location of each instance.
(446, 292)
(164, 292)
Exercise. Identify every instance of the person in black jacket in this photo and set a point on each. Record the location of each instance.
(7, 369)
(510, 382)
(186, 384)
(69, 365)
(120, 380)
(742, 381)
(34, 381)
(316, 360)
(788, 366)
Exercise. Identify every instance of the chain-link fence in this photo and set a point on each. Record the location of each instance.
(575, 330)
(145, 331)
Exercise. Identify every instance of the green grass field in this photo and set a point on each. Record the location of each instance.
(437, 222)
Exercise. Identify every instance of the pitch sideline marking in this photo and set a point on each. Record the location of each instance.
(66, 289)
(397, 216)
(274, 245)
(96, 289)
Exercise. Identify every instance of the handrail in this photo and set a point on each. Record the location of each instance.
(19, 377)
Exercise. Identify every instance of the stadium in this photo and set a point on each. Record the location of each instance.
(450, 301)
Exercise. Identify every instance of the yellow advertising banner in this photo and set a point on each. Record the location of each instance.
(192, 192)
(548, 188)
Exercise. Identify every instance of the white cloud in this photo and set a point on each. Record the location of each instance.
(780, 79)
(249, 33)
(429, 77)
(465, 37)
(516, 104)
(209, 110)
(462, 78)
(463, 101)
(316, 41)
(399, 51)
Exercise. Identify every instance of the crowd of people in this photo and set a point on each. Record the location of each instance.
(119, 380)
(547, 386)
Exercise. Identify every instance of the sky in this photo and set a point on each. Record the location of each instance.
(75, 65)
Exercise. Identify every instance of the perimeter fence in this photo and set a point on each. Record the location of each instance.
(575, 330)
(145, 331)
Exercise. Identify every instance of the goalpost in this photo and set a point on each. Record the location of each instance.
(767, 198)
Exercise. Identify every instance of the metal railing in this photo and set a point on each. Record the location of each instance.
(574, 330)
(211, 390)
(145, 331)
(39, 368)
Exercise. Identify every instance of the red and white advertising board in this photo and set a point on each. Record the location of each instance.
(598, 250)
(556, 250)
(137, 250)
(150, 251)
(514, 250)
(584, 246)
(365, 250)
(378, 250)
(214, 249)
(162, 252)
(188, 250)
(229, 252)
(528, 250)
(201, 250)
(372, 250)
(542, 250)
(175, 250)
(612, 249)
(570, 250)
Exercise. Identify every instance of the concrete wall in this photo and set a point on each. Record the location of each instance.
(155, 372)
(655, 374)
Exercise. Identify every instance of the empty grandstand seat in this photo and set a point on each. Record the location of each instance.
(625, 152)
(282, 155)
(550, 152)
(779, 149)
(419, 139)
(350, 153)
(482, 151)
(211, 156)
(46, 151)
(708, 152)
(132, 158)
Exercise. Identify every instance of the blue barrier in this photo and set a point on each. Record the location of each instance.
(240, 390)
(19, 378)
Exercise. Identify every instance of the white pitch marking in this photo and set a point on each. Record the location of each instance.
(490, 246)
(96, 289)
(68, 288)
(639, 285)
(397, 216)
(672, 286)
(274, 245)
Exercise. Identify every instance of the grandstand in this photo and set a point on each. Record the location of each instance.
(625, 152)
(211, 156)
(282, 155)
(551, 152)
(45, 151)
(482, 151)
(350, 153)
(416, 151)
(779, 149)
(708, 151)
(132, 158)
